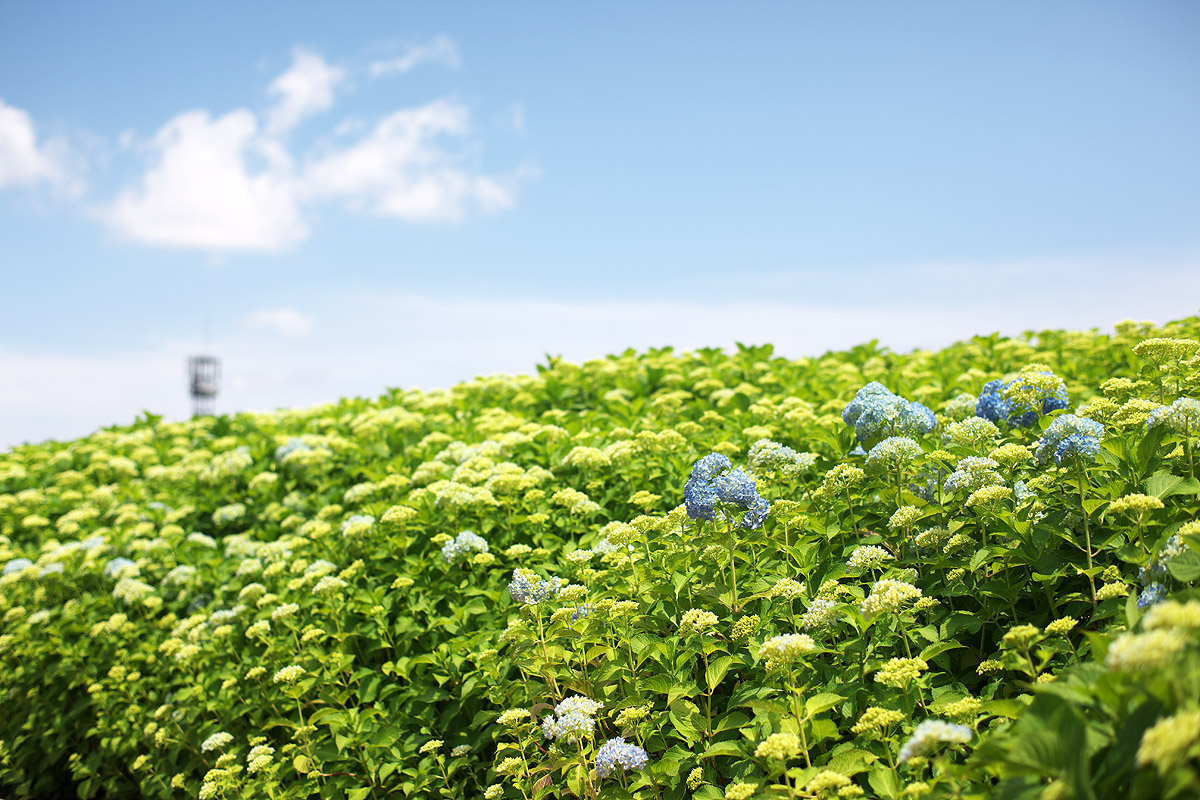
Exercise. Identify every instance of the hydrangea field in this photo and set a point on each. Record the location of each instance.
(956, 574)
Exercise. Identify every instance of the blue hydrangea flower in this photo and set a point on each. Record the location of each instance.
(582, 612)
(991, 404)
(995, 401)
(700, 498)
(875, 412)
(737, 488)
(973, 472)
(923, 417)
(616, 753)
(756, 515)
(1045, 399)
(465, 542)
(1152, 595)
(709, 467)
(1068, 437)
(528, 589)
(120, 566)
(1156, 569)
(1077, 446)
(714, 482)
(1183, 416)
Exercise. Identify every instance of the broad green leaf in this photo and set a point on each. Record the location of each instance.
(1185, 567)
(821, 702)
(717, 668)
(724, 749)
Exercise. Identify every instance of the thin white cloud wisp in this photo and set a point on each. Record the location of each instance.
(439, 50)
(402, 169)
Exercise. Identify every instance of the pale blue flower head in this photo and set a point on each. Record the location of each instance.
(528, 588)
(875, 412)
(465, 542)
(1182, 416)
(929, 734)
(1069, 437)
(892, 453)
(617, 754)
(1152, 595)
(714, 482)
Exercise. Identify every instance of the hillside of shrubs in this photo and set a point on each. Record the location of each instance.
(957, 574)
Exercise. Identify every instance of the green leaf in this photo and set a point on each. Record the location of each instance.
(822, 702)
(1161, 484)
(716, 671)
(937, 649)
(884, 783)
(723, 749)
(1185, 567)
(851, 761)
(686, 719)
(302, 764)
(734, 719)
(659, 684)
(682, 690)
(759, 704)
(358, 794)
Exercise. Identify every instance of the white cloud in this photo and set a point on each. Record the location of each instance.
(305, 89)
(226, 183)
(287, 322)
(201, 193)
(439, 50)
(22, 159)
(400, 169)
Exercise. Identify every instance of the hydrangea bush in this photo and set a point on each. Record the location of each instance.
(966, 573)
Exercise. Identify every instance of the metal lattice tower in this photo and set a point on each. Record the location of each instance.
(205, 372)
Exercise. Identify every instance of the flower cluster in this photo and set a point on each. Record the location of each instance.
(899, 672)
(892, 453)
(1182, 416)
(867, 557)
(464, 543)
(787, 647)
(695, 620)
(616, 753)
(887, 596)
(929, 734)
(714, 482)
(971, 473)
(572, 718)
(528, 588)
(1069, 437)
(1019, 402)
(875, 412)
(767, 456)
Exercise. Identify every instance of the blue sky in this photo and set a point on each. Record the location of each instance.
(355, 196)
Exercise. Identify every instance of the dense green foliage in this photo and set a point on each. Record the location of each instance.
(259, 605)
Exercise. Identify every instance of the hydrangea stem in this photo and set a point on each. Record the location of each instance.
(1087, 533)
(545, 654)
(732, 571)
